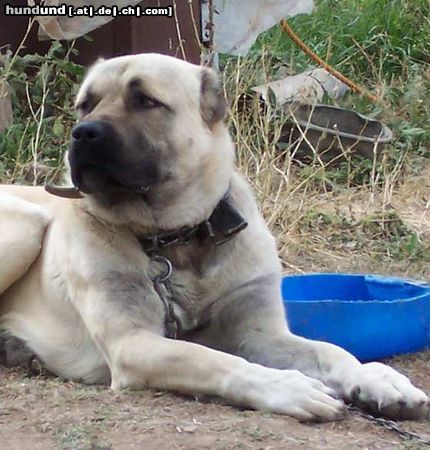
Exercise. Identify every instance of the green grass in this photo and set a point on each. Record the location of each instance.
(360, 37)
(382, 45)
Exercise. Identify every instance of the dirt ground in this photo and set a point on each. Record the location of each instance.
(47, 413)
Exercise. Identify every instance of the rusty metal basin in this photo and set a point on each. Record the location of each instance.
(331, 133)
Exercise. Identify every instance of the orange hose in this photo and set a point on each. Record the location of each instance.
(354, 87)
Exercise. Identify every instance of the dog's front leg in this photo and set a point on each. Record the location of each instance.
(127, 325)
(251, 323)
(143, 359)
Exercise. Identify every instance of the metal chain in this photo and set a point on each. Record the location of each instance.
(172, 322)
(389, 425)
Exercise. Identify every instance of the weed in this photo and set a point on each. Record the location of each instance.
(42, 90)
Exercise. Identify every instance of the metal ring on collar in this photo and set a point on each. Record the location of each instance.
(169, 268)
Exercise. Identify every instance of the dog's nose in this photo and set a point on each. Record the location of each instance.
(90, 131)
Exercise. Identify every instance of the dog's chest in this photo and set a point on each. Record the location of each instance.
(188, 299)
(188, 284)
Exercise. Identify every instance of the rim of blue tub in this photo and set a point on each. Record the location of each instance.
(383, 279)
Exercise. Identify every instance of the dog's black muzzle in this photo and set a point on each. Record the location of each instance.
(99, 161)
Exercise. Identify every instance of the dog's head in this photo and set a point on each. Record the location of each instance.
(149, 126)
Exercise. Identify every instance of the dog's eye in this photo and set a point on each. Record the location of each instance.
(142, 101)
(84, 107)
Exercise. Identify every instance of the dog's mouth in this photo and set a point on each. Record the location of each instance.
(94, 179)
(100, 163)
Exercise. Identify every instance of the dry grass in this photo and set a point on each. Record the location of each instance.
(359, 216)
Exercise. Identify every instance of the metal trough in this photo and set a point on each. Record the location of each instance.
(333, 133)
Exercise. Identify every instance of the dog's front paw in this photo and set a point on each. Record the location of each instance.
(381, 390)
(292, 393)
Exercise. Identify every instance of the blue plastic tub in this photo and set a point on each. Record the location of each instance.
(371, 316)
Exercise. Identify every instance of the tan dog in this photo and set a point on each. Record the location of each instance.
(154, 162)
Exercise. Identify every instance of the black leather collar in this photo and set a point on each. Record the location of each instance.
(224, 223)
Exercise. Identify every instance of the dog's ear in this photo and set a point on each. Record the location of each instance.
(212, 102)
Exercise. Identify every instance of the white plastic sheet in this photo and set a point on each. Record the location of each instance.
(239, 22)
